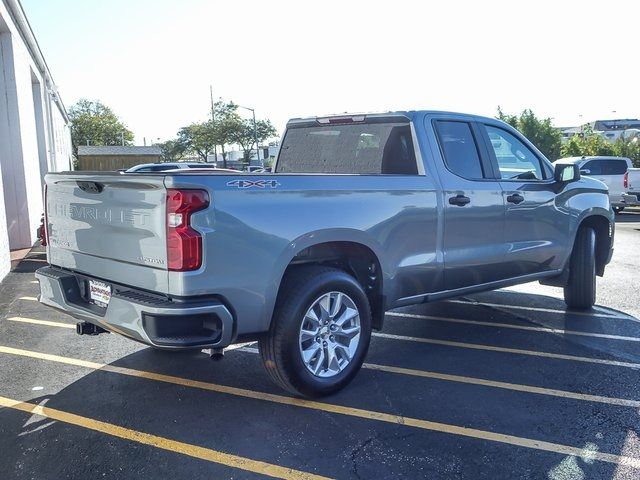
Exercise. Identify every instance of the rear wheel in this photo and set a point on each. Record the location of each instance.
(319, 333)
(580, 290)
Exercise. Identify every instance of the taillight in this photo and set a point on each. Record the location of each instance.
(625, 182)
(184, 244)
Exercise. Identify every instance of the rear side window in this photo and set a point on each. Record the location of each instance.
(614, 167)
(605, 167)
(459, 149)
(362, 148)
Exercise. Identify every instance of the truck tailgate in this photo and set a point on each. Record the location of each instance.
(109, 226)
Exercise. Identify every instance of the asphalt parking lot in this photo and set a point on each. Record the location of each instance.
(505, 384)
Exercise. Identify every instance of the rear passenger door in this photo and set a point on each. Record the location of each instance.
(473, 207)
(536, 226)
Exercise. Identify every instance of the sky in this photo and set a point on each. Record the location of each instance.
(152, 61)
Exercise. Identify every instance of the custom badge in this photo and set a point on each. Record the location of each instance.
(253, 184)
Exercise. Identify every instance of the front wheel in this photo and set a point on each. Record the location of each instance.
(580, 290)
(319, 333)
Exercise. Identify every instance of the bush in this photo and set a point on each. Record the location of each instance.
(591, 144)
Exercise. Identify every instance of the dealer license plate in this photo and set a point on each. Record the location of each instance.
(99, 293)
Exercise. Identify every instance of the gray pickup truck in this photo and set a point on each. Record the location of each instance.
(363, 213)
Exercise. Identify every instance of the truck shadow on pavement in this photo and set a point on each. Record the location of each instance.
(253, 426)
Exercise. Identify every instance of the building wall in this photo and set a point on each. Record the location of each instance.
(114, 162)
(34, 135)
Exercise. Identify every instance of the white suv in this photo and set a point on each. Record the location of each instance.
(610, 171)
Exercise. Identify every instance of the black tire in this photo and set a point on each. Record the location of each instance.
(580, 290)
(279, 348)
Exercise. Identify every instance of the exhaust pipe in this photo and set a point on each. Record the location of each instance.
(86, 328)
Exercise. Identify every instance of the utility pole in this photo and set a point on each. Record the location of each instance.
(122, 138)
(213, 121)
(255, 134)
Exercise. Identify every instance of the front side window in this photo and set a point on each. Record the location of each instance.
(459, 149)
(516, 161)
(360, 148)
(593, 167)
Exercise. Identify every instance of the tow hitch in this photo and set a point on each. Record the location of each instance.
(86, 328)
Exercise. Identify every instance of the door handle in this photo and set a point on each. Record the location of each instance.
(515, 198)
(459, 200)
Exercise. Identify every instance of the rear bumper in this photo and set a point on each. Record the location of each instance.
(147, 318)
(624, 200)
(632, 199)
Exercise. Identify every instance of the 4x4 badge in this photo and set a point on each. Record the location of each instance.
(253, 183)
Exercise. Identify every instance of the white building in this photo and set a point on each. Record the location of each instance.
(34, 131)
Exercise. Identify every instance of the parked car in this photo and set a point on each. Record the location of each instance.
(632, 183)
(611, 171)
(162, 167)
(362, 214)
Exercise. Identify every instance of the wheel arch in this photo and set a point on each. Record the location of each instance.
(604, 230)
(349, 250)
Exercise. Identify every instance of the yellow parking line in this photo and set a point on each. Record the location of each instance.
(518, 351)
(162, 443)
(432, 341)
(540, 309)
(42, 322)
(31, 299)
(424, 373)
(559, 331)
(341, 410)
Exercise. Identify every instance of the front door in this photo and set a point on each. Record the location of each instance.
(536, 226)
(473, 208)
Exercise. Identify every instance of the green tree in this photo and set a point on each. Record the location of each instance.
(198, 138)
(93, 123)
(172, 150)
(540, 132)
(246, 135)
(226, 126)
(629, 148)
(227, 131)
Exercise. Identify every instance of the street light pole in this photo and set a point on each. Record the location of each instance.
(255, 130)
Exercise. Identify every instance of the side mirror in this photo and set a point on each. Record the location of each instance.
(585, 171)
(566, 172)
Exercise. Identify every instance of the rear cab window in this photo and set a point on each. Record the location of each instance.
(366, 148)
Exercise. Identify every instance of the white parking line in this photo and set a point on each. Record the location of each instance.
(604, 314)
(489, 383)
(492, 348)
(559, 331)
